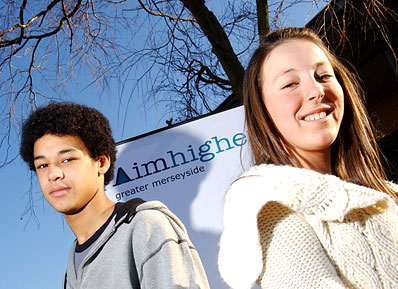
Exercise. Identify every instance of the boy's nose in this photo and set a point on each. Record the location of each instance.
(55, 173)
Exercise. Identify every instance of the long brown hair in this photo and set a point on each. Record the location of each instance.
(355, 155)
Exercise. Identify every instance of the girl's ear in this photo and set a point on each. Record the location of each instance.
(104, 162)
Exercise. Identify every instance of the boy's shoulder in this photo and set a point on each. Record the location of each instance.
(151, 216)
(148, 215)
(127, 209)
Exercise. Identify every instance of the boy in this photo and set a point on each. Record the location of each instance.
(135, 244)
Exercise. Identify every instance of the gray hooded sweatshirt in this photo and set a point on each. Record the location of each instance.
(150, 251)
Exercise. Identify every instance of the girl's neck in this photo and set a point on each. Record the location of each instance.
(316, 161)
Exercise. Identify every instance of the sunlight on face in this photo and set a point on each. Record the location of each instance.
(303, 97)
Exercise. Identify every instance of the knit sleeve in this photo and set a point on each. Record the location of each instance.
(239, 258)
(291, 252)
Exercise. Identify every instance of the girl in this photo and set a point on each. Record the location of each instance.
(315, 211)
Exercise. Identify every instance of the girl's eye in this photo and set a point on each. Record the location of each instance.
(68, 160)
(324, 76)
(289, 85)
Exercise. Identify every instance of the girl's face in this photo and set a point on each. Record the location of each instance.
(302, 96)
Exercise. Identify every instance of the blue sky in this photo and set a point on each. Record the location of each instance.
(34, 251)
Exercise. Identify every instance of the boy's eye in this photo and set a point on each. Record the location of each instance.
(41, 166)
(68, 160)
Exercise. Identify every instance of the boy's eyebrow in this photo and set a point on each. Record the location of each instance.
(59, 153)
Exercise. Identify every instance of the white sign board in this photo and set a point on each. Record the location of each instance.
(188, 167)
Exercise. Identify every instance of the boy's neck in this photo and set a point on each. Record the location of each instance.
(87, 221)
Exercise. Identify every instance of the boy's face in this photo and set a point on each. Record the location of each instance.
(69, 178)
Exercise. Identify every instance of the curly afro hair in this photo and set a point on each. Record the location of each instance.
(70, 119)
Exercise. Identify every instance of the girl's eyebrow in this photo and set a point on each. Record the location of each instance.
(316, 65)
(59, 153)
(285, 72)
(323, 63)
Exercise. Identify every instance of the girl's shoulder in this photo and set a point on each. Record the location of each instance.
(393, 186)
(302, 190)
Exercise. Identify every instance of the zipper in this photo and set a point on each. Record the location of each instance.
(96, 247)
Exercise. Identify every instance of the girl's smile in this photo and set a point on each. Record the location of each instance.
(303, 98)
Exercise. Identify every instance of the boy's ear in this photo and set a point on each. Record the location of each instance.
(104, 162)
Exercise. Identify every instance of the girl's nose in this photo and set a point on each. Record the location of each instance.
(315, 92)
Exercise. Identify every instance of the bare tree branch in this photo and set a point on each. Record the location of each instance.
(178, 51)
(347, 26)
(221, 45)
(263, 17)
(162, 14)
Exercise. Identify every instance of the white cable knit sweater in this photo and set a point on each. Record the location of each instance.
(287, 227)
